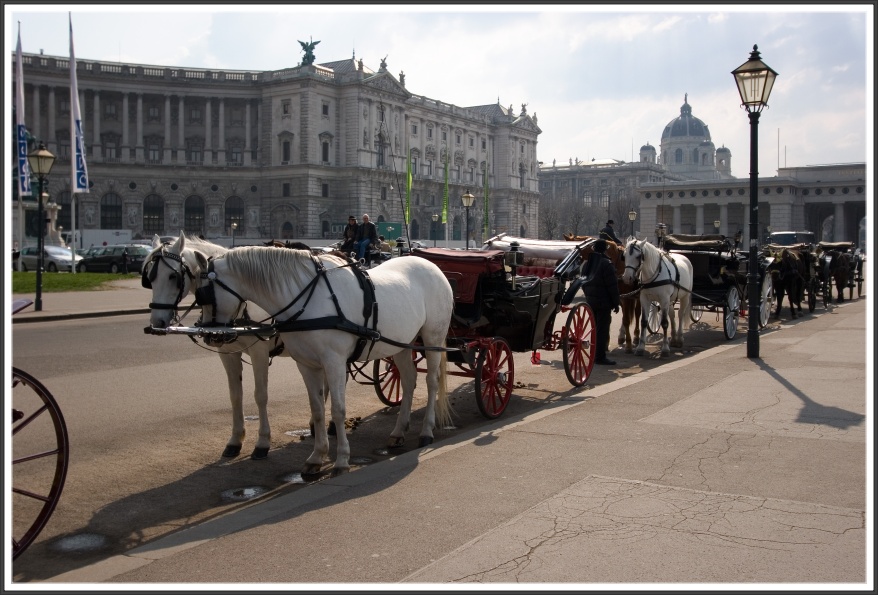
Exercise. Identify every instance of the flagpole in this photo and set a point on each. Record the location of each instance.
(78, 168)
(23, 167)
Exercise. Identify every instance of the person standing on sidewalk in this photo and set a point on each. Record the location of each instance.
(601, 288)
(125, 261)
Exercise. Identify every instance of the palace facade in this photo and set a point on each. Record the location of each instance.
(277, 154)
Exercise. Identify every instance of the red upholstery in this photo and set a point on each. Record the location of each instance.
(535, 271)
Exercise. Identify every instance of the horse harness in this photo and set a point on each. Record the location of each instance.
(206, 295)
(653, 283)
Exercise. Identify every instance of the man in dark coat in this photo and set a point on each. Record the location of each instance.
(607, 233)
(601, 288)
(367, 235)
(350, 235)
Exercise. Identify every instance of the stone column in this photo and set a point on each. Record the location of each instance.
(724, 220)
(677, 221)
(221, 143)
(166, 156)
(35, 118)
(138, 140)
(51, 142)
(125, 156)
(181, 139)
(247, 149)
(96, 153)
(208, 152)
(838, 227)
(699, 219)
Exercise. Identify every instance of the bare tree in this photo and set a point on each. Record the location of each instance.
(550, 215)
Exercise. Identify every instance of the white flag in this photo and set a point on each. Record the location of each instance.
(78, 169)
(20, 130)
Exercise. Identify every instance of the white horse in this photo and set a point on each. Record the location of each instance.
(312, 298)
(172, 272)
(665, 278)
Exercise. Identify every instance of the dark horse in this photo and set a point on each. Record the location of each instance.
(788, 272)
(630, 303)
(835, 264)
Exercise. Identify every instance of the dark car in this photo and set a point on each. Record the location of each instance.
(111, 259)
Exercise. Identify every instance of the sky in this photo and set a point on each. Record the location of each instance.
(602, 80)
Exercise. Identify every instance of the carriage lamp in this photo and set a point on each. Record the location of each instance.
(755, 80)
(632, 215)
(435, 218)
(41, 162)
(234, 227)
(716, 223)
(661, 230)
(468, 200)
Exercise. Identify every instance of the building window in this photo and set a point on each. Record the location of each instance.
(154, 152)
(522, 149)
(237, 155)
(64, 106)
(429, 132)
(484, 144)
(415, 166)
(110, 111)
(444, 135)
(111, 211)
(605, 198)
(110, 150)
(678, 156)
(380, 114)
(325, 146)
(234, 213)
(414, 129)
(193, 215)
(286, 107)
(384, 193)
(154, 214)
(428, 168)
(152, 113)
(285, 152)
(325, 109)
(194, 154)
(324, 190)
(285, 189)
(64, 148)
(457, 139)
(195, 115)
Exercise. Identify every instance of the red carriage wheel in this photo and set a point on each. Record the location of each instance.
(39, 462)
(387, 383)
(495, 373)
(578, 344)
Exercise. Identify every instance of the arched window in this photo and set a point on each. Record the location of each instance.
(234, 214)
(154, 215)
(605, 198)
(111, 211)
(286, 231)
(678, 156)
(695, 156)
(586, 198)
(193, 215)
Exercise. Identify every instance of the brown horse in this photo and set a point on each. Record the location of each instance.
(631, 309)
(835, 264)
(788, 274)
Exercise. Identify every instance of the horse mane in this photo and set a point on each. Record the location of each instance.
(652, 257)
(290, 269)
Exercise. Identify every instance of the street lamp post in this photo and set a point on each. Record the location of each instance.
(41, 162)
(755, 80)
(234, 227)
(468, 200)
(632, 215)
(435, 218)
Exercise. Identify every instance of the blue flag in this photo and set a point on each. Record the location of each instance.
(78, 169)
(20, 130)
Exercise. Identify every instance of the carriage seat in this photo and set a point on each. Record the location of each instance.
(537, 267)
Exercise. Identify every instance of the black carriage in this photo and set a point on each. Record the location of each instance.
(498, 311)
(812, 282)
(825, 256)
(719, 279)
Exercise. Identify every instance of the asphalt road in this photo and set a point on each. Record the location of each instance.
(149, 416)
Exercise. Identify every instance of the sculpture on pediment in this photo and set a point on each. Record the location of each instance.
(308, 48)
(523, 109)
(402, 78)
(384, 62)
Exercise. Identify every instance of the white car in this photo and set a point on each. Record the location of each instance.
(55, 258)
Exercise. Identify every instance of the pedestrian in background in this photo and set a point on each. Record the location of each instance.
(601, 288)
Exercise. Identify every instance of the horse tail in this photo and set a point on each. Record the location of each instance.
(443, 404)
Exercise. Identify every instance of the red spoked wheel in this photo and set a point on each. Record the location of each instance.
(387, 382)
(578, 345)
(39, 462)
(495, 374)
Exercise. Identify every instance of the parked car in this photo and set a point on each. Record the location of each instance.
(110, 259)
(55, 258)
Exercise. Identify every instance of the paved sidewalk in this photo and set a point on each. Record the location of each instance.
(717, 470)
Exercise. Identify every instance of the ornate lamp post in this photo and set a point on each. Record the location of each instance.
(435, 218)
(632, 216)
(234, 227)
(755, 80)
(468, 200)
(41, 162)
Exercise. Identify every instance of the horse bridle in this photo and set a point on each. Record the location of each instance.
(150, 272)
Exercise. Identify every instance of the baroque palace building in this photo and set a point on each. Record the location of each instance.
(281, 154)
(688, 186)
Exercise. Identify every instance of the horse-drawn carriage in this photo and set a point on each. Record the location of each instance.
(505, 302)
(795, 275)
(841, 263)
(720, 279)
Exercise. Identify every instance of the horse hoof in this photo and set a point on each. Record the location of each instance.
(665, 354)
(259, 453)
(311, 470)
(231, 451)
(395, 442)
(331, 431)
(311, 427)
(639, 352)
(336, 471)
(425, 441)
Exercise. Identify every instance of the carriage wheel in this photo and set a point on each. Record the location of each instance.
(39, 463)
(731, 310)
(695, 313)
(767, 300)
(812, 294)
(387, 383)
(578, 344)
(654, 318)
(495, 373)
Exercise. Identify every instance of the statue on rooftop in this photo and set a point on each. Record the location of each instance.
(308, 48)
